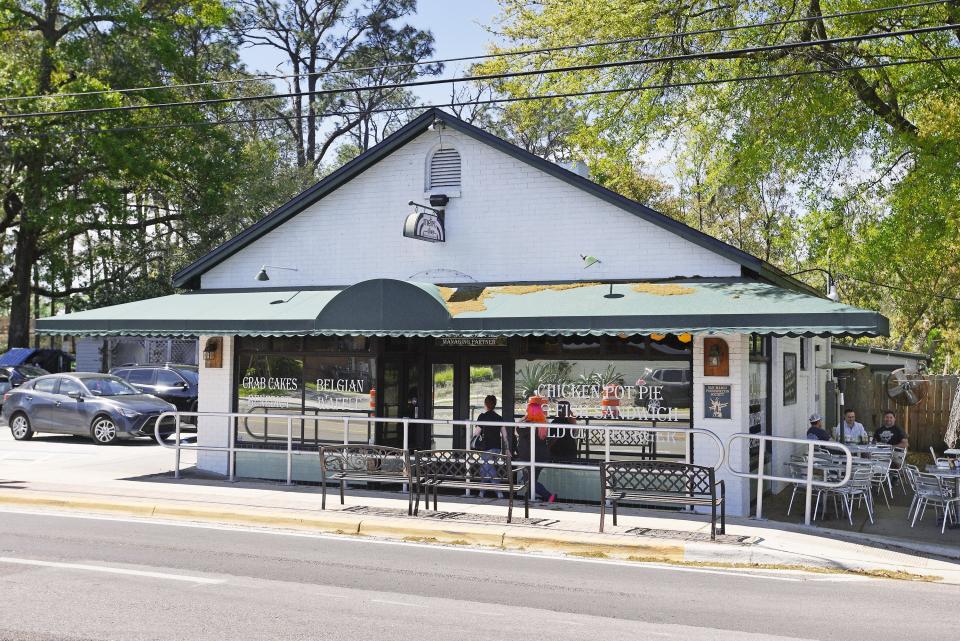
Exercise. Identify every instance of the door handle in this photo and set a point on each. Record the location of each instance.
(29, 398)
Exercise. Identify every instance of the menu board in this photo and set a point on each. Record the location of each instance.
(789, 378)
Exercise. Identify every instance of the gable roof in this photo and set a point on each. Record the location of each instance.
(189, 277)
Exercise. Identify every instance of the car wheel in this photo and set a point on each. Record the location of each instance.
(20, 427)
(103, 430)
(653, 406)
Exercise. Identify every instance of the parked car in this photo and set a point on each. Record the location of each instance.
(52, 360)
(17, 375)
(101, 406)
(677, 388)
(173, 383)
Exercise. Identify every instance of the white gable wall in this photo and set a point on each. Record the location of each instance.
(512, 222)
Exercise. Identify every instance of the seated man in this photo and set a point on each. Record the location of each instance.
(889, 432)
(816, 431)
(853, 432)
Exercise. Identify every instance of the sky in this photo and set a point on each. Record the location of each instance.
(457, 27)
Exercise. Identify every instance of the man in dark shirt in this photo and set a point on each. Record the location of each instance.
(889, 432)
(816, 431)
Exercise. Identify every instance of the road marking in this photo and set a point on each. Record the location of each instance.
(404, 604)
(110, 570)
(749, 573)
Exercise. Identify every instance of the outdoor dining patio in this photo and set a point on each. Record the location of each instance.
(890, 492)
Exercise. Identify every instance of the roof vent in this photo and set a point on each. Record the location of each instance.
(444, 170)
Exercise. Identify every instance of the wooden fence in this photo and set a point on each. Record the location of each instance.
(927, 421)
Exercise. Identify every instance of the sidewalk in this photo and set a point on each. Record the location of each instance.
(134, 480)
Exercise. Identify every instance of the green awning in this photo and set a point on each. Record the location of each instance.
(386, 307)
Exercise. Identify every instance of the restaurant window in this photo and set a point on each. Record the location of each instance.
(303, 382)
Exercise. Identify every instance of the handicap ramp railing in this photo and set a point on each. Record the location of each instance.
(809, 480)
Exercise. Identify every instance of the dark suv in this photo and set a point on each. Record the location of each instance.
(175, 384)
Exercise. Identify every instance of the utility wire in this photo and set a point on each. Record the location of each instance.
(576, 94)
(718, 54)
(502, 54)
(898, 288)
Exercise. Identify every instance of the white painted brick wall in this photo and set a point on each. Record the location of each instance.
(738, 489)
(512, 222)
(216, 391)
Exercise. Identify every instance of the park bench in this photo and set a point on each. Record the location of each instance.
(662, 483)
(468, 470)
(363, 464)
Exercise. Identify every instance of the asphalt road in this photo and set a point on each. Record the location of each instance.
(74, 577)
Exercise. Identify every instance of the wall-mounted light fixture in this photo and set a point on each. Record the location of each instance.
(213, 352)
(262, 275)
(716, 357)
(589, 261)
(831, 283)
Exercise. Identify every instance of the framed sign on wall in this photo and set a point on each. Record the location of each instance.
(716, 401)
(789, 378)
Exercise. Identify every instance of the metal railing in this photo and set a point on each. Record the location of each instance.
(808, 481)
(234, 418)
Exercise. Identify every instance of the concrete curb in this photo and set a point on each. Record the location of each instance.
(517, 538)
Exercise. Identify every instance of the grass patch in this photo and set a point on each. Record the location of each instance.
(589, 554)
(878, 574)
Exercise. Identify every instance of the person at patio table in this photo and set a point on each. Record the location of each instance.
(853, 432)
(490, 438)
(535, 415)
(889, 432)
(816, 432)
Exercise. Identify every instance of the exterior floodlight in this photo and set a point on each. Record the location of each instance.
(263, 276)
(589, 261)
(832, 294)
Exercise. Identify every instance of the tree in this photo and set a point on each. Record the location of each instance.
(91, 203)
(322, 38)
(858, 165)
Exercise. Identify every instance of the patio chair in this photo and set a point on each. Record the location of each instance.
(939, 461)
(797, 469)
(898, 461)
(880, 465)
(935, 490)
(859, 489)
(911, 472)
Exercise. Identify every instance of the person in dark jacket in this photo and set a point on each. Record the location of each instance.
(535, 415)
(490, 438)
(563, 446)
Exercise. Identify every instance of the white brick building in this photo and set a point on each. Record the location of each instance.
(542, 279)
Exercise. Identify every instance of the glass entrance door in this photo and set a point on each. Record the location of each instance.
(459, 387)
(400, 398)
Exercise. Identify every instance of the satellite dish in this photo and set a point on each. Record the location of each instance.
(906, 387)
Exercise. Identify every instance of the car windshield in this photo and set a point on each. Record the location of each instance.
(189, 374)
(108, 386)
(32, 370)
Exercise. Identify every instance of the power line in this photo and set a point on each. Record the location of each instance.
(576, 94)
(502, 54)
(497, 76)
(898, 288)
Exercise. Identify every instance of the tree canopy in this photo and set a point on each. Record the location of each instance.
(850, 169)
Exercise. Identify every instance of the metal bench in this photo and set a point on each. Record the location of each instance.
(662, 483)
(364, 464)
(468, 470)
